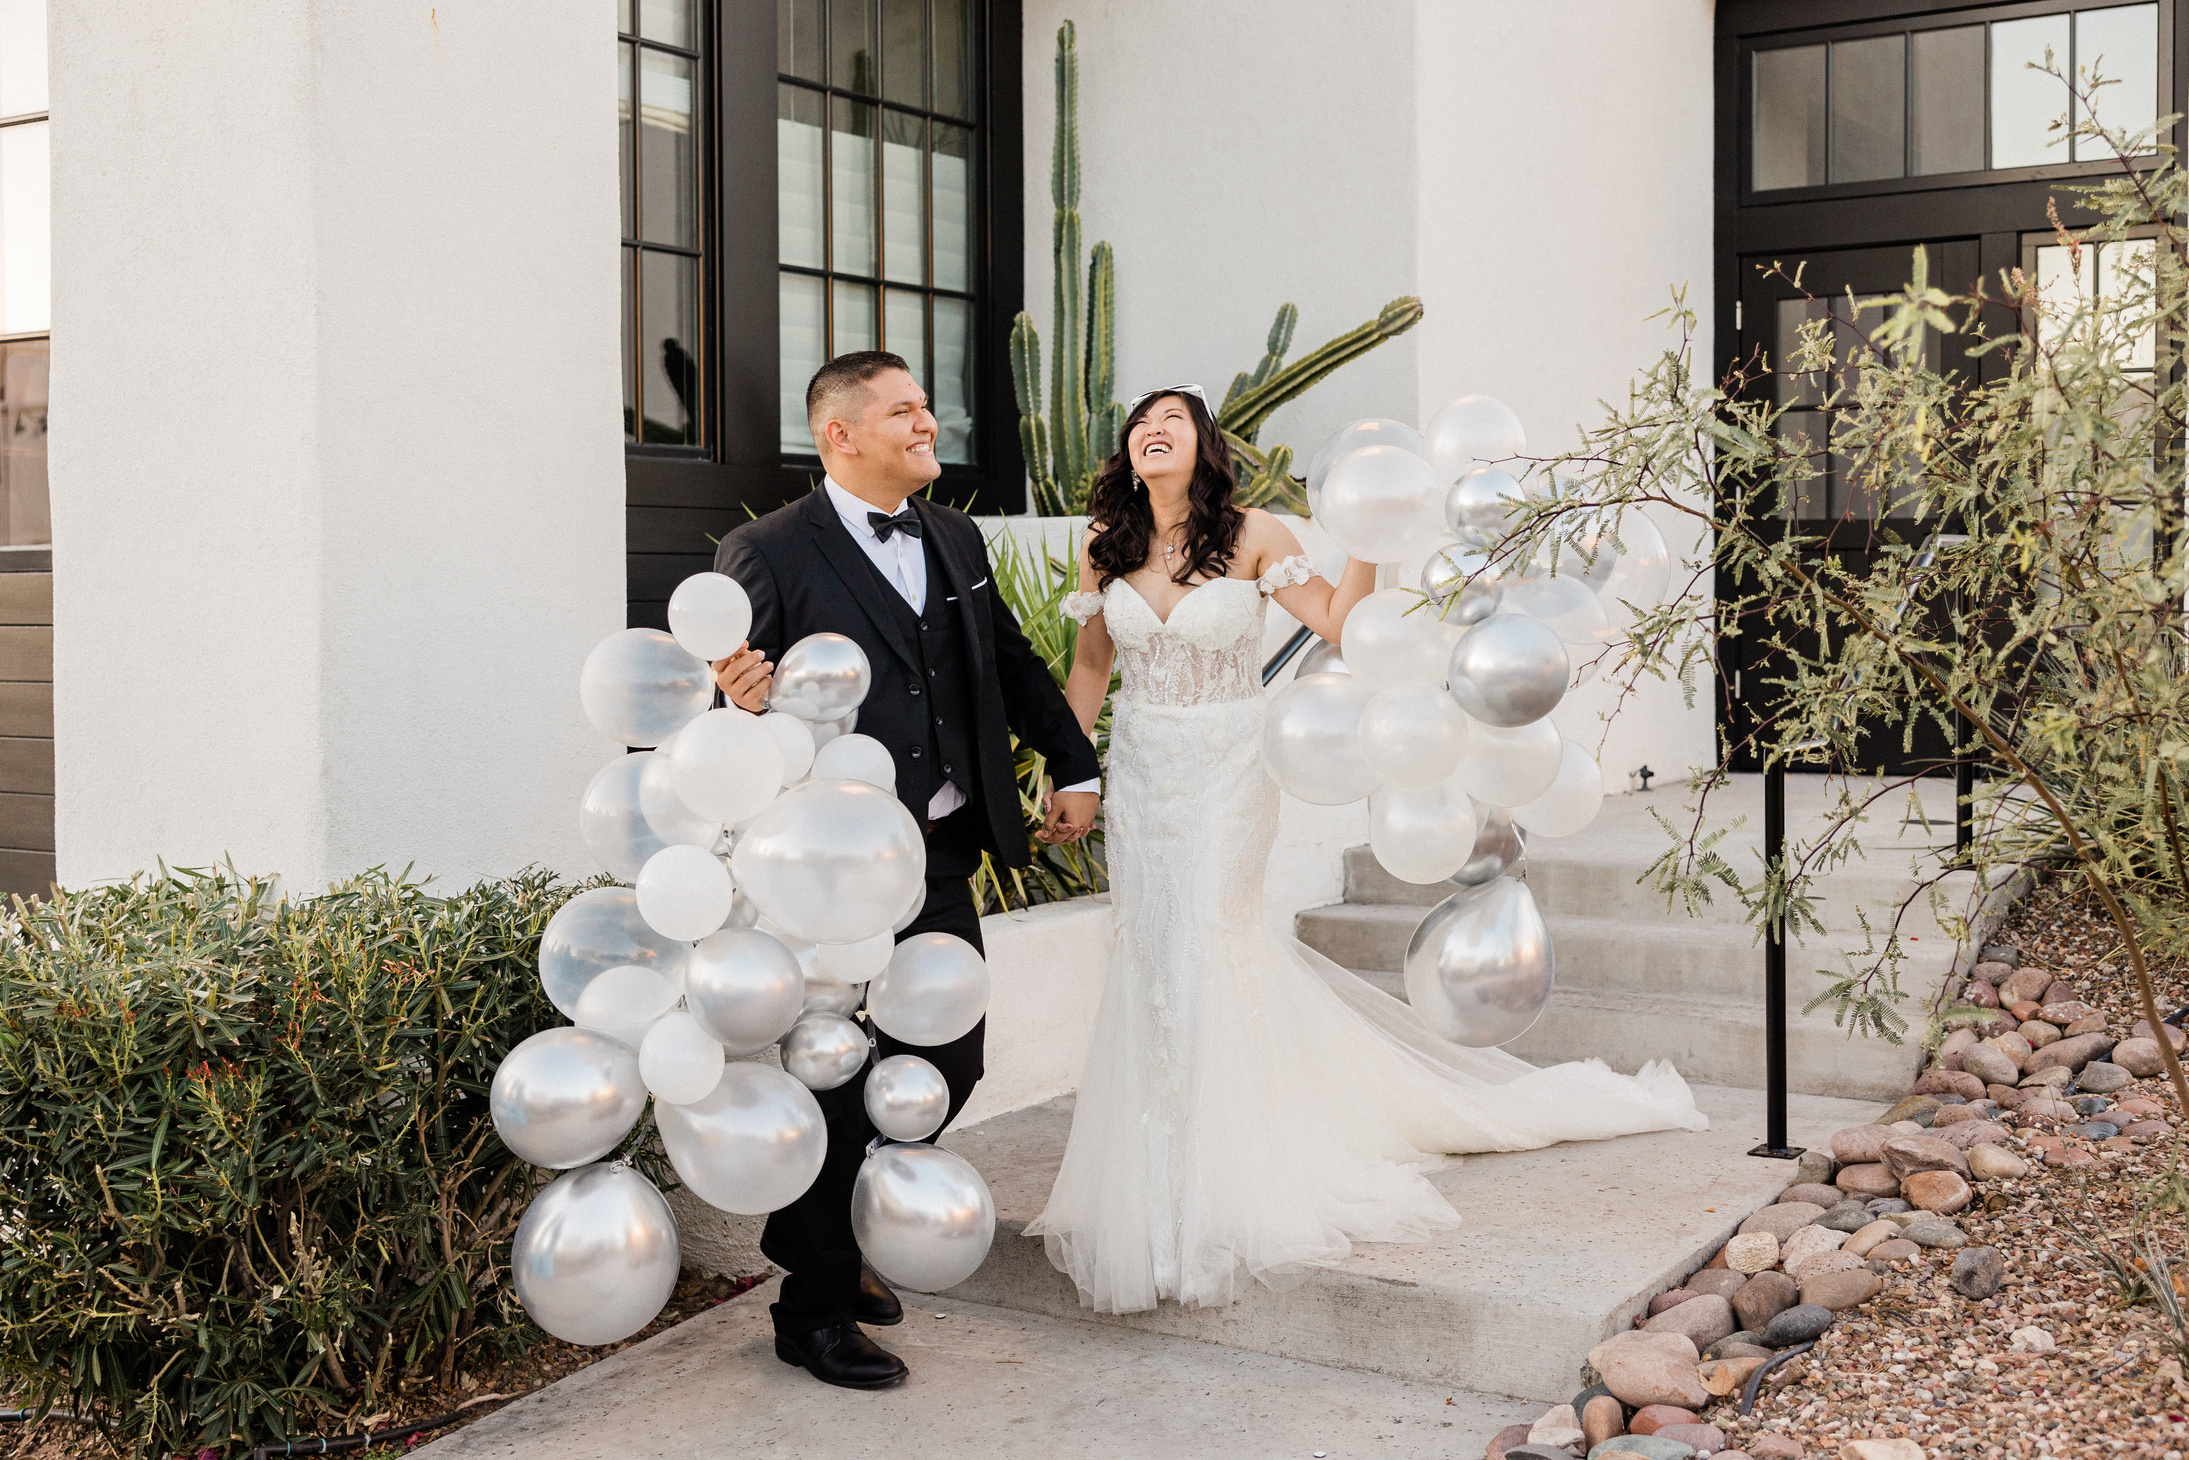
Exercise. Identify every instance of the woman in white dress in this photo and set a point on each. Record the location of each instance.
(1249, 1109)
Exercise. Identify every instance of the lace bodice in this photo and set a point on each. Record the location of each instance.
(1206, 652)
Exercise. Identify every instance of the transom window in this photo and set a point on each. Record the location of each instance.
(877, 126)
(664, 236)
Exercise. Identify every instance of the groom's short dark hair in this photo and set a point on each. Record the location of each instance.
(845, 374)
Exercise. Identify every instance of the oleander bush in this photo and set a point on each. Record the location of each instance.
(247, 1174)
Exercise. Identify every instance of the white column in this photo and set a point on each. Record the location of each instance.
(337, 472)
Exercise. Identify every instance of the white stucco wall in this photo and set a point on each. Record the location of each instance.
(337, 489)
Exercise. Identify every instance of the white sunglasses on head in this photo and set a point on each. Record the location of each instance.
(1193, 390)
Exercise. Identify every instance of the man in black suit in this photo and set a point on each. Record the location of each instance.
(910, 581)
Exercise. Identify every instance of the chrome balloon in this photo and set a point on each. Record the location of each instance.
(596, 1255)
(934, 990)
(923, 1216)
(1320, 657)
(599, 930)
(821, 677)
(753, 1145)
(1482, 501)
(906, 1098)
(744, 988)
(566, 1097)
(639, 686)
(1499, 846)
(1509, 670)
(825, 995)
(1480, 969)
(1311, 738)
(1449, 571)
(823, 1051)
(832, 861)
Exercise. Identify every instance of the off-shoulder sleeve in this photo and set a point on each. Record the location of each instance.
(1289, 573)
(1080, 607)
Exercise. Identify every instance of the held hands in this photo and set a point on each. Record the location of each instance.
(1068, 815)
(745, 677)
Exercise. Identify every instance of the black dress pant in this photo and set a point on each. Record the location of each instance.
(811, 1237)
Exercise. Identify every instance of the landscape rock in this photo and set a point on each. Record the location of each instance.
(1778, 1447)
(1881, 1450)
(1797, 1324)
(1977, 1272)
(1887, 1206)
(1763, 1298)
(1807, 1243)
(1878, 1231)
(1504, 1440)
(1849, 1216)
(2139, 1056)
(1672, 1299)
(1558, 1428)
(2007, 1097)
(2088, 1024)
(2141, 1029)
(1750, 1252)
(2043, 1105)
(1954, 1042)
(1954, 1115)
(1918, 1108)
(1937, 1191)
(1704, 1318)
(2039, 1034)
(2139, 1105)
(1871, 1180)
(2030, 1341)
(1976, 996)
(1858, 1145)
(2011, 1044)
(1649, 1447)
(2064, 1012)
(1839, 1290)
(1746, 1344)
(1643, 1373)
(2100, 1077)
(1703, 1439)
(1994, 1163)
(1892, 1253)
(1651, 1418)
(1720, 1280)
(1816, 1194)
(1907, 1155)
(2073, 1053)
(1601, 1418)
(1815, 1168)
(1818, 1264)
(2143, 1129)
(2049, 1078)
(1783, 1220)
(1989, 1065)
(2005, 954)
(1535, 1450)
(1935, 1233)
(1725, 1376)
(2098, 1130)
(1949, 1082)
(1970, 1134)
(2024, 983)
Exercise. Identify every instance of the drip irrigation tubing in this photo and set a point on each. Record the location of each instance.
(1755, 1380)
(335, 1444)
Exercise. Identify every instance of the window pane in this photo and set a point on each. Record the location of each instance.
(1807, 388)
(26, 517)
(668, 150)
(1805, 430)
(798, 39)
(1947, 74)
(854, 322)
(904, 242)
(22, 57)
(626, 137)
(2121, 45)
(623, 18)
(904, 328)
(954, 57)
(2025, 103)
(851, 45)
(630, 338)
(2124, 274)
(2066, 279)
(904, 51)
(951, 391)
(952, 181)
(802, 351)
(26, 262)
(851, 185)
(1869, 108)
(800, 204)
(1788, 133)
(669, 370)
(667, 21)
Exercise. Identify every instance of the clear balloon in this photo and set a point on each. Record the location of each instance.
(795, 738)
(1311, 739)
(1463, 570)
(754, 1144)
(1630, 573)
(1421, 834)
(856, 758)
(833, 861)
(1472, 429)
(1498, 848)
(823, 1051)
(1510, 767)
(821, 677)
(640, 687)
(1412, 735)
(679, 1060)
(710, 615)
(566, 1097)
(1392, 636)
(907, 1098)
(1573, 799)
(1480, 968)
(1482, 502)
(726, 764)
(922, 1216)
(1374, 431)
(1320, 657)
(823, 731)
(1379, 503)
(1563, 601)
(596, 930)
(1509, 670)
(744, 988)
(623, 1002)
(610, 819)
(596, 1255)
(676, 824)
(854, 962)
(934, 990)
(684, 893)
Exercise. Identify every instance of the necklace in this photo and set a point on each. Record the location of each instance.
(1170, 549)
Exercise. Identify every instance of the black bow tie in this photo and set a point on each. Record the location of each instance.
(906, 522)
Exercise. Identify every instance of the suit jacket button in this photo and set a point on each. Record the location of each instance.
(915, 752)
(915, 689)
(946, 770)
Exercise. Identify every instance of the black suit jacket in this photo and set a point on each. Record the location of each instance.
(805, 575)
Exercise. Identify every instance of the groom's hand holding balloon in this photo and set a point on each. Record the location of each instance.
(745, 677)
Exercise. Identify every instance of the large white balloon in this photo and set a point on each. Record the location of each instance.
(597, 930)
(922, 1216)
(726, 764)
(566, 1097)
(1509, 670)
(744, 988)
(753, 1144)
(854, 962)
(1510, 767)
(1412, 734)
(934, 990)
(684, 892)
(676, 824)
(1423, 833)
(795, 737)
(1379, 503)
(1471, 430)
(640, 687)
(611, 820)
(1393, 636)
(906, 1097)
(1311, 739)
(710, 615)
(679, 1060)
(1573, 799)
(821, 677)
(1480, 967)
(856, 758)
(833, 861)
(623, 1002)
(596, 1255)
(823, 1051)
(1374, 431)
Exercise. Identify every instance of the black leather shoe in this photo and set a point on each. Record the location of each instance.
(843, 1356)
(876, 1306)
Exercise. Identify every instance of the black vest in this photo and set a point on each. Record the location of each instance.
(940, 681)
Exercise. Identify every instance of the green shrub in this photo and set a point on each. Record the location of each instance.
(247, 1172)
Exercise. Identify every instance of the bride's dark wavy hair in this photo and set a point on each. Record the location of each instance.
(1119, 504)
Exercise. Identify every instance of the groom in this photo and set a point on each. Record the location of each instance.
(909, 581)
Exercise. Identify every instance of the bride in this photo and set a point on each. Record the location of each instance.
(1249, 1109)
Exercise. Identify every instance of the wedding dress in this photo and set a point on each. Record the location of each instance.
(1250, 1109)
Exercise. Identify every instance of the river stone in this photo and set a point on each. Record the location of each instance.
(1887, 1206)
(1704, 1318)
(1872, 1180)
(2088, 1024)
(1989, 1065)
(2006, 953)
(1848, 1216)
(2098, 1130)
(1937, 1191)
(1970, 1134)
(1994, 1163)
(1640, 1373)
(1817, 1264)
(1720, 1280)
(1726, 1376)
(1954, 1115)
(1952, 1045)
(1776, 1447)
(1797, 1324)
(1704, 1439)
(1814, 1168)
(1858, 1145)
(2074, 1053)
(1816, 1194)
(1750, 1252)
(2141, 1029)
(2139, 1129)
(1977, 1272)
(2039, 1034)
(2024, 983)
(1558, 1429)
(2140, 1057)
(1977, 995)
(1782, 1220)
(1838, 1290)
(1730, 1347)
(1651, 1418)
(1906, 1155)
(1868, 1237)
(1536, 1450)
(2050, 1078)
(2064, 1012)
(1918, 1108)
(1937, 1232)
(2011, 1044)
(1672, 1299)
(2102, 1078)
(1601, 1418)
(1949, 1082)
(1887, 1254)
(1762, 1298)
(1649, 1447)
(1807, 1243)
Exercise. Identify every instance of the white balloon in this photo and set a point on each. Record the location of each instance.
(795, 737)
(710, 615)
(1561, 600)
(1474, 428)
(745, 988)
(1311, 738)
(856, 758)
(624, 1002)
(670, 820)
(1413, 734)
(1421, 834)
(1573, 799)
(832, 859)
(1374, 431)
(914, 906)
(934, 990)
(1393, 636)
(823, 731)
(1629, 576)
(684, 893)
(726, 765)
(597, 930)
(1510, 767)
(854, 962)
(1379, 503)
(640, 687)
(679, 1060)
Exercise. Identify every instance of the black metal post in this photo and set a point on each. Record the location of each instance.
(1774, 977)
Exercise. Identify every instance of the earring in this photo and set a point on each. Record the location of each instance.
(1139, 485)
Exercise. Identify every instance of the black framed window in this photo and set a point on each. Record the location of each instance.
(26, 252)
(661, 83)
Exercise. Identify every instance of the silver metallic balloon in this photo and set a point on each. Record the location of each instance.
(596, 1255)
(832, 861)
(821, 677)
(745, 988)
(1499, 846)
(923, 1216)
(1482, 501)
(826, 995)
(640, 687)
(1509, 670)
(823, 1051)
(934, 990)
(1320, 657)
(599, 930)
(906, 1098)
(754, 1145)
(566, 1097)
(1479, 970)
(1448, 571)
